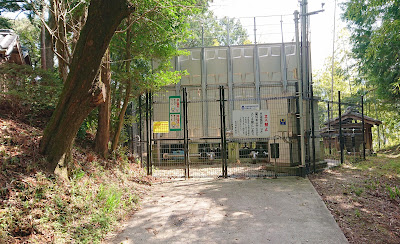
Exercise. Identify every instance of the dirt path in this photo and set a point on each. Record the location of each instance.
(283, 210)
(360, 203)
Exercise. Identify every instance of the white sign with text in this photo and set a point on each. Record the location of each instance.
(251, 123)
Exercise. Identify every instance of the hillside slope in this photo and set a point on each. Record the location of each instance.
(40, 207)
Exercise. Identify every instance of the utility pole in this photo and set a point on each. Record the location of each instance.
(304, 44)
(305, 71)
(300, 85)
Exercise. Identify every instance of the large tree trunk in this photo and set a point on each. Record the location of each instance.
(49, 39)
(120, 123)
(103, 128)
(43, 48)
(62, 49)
(46, 43)
(81, 94)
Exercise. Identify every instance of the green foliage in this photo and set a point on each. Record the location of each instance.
(214, 31)
(5, 23)
(374, 26)
(344, 74)
(29, 36)
(143, 64)
(372, 184)
(352, 83)
(357, 190)
(81, 212)
(357, 213)
(380, 165)
(374, 31)
(156, 27)
(35, 90)
(12, 6)
(89, 125)
(393, 192)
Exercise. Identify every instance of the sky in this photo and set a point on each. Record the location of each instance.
(321, 24)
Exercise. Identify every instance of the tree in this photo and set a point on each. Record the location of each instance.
(29, 35)
(376, 40)
(152, 34)
(35, 11)
(5, 23)
(104, 113)
(345, 73)
(215, 30)
(81, 93)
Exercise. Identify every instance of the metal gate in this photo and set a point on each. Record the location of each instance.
(207, 144)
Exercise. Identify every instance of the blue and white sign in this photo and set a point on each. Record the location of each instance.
(249, 107)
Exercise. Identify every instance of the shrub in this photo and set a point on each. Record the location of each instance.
(28, 94)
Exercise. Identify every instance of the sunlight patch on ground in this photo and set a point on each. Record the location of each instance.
(365, 210)
(346, 206)
(335, 199)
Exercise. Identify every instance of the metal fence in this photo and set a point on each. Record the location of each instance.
(243, 30)
(209, 142)
(343, 132)
(206, 145)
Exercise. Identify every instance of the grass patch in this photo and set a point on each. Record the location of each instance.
(394, 192)
(357, 190)
(381, 165)
(43, 209)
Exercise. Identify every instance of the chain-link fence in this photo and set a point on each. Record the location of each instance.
(210, 31)
(345, 132)
(248, 137)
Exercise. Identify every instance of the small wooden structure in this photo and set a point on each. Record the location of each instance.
(351, 131)
(11, 50)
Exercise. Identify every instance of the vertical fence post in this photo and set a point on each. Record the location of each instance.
(255, 31)
(363, 125)
(202, 36)
(312, 126)
(148, 131)
(228, 38)
(185, 134)
(225, 155)
(340, 131)
(379, 136)
(329, 131)
(275, 156)
(223, 131)
(140, 131)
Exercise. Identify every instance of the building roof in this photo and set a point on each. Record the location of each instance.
(352, 113)
(10, 48)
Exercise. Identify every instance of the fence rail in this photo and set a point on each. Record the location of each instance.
(209, 142)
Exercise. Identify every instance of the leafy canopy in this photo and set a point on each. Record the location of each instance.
(375, 26)
(215, 31)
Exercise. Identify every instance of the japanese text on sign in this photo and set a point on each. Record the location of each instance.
(160, 127)
(174, 113)
(174, 104)
(251, 124)
(174, 122)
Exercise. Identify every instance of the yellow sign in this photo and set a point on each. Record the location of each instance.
(160, 127)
